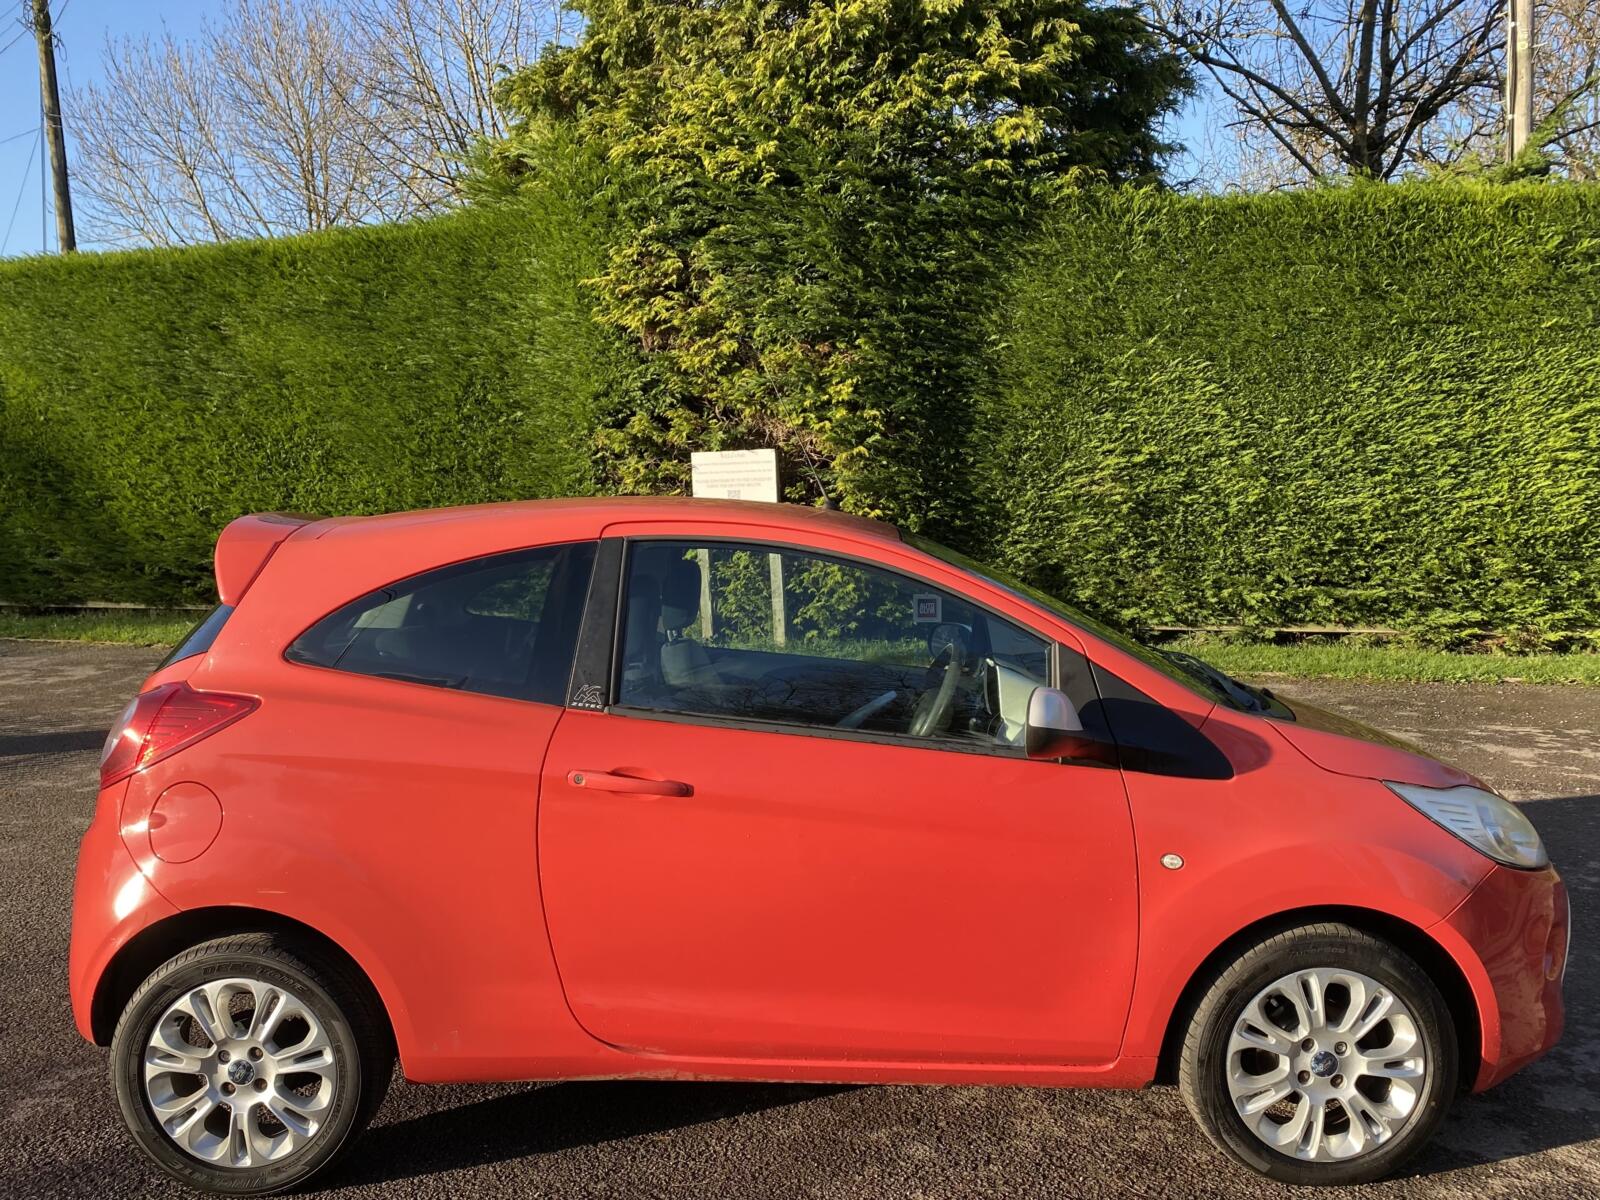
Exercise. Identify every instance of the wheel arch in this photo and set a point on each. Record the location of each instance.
(1432, 957)
(155, 944)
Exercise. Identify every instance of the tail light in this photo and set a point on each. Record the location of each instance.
(163, 721)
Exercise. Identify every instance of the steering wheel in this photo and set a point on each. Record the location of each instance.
(933, 710)
(870, 708)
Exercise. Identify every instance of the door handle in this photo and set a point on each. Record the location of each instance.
(610, 781)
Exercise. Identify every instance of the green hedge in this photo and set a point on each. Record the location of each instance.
(148, 398)
(1366, 406)
(1376, 405)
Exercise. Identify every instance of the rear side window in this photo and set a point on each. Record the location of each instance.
(503, 626)
(198, 640)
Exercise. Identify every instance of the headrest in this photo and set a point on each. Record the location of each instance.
(680, 593)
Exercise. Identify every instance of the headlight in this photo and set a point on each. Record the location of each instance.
(1483, 820)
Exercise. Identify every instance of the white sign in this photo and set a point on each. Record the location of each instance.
(735, 474)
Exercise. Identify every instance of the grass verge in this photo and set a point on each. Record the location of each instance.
(129, 628)
(1396, 664)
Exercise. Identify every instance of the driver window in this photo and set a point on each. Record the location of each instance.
(768, 634)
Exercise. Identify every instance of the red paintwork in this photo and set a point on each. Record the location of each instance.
(184, 822)
(1510, 937)
(799, 907)
(112, 901)
(244, 547)
(893, 905)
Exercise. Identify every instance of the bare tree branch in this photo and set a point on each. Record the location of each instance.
(1355, 83)
(432, 67)
(293, 115)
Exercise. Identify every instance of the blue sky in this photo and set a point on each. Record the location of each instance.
(83, 27)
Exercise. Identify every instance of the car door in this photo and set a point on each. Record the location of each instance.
(746, 853)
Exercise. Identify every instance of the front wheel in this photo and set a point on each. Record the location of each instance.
(244, 1064)
(1320, 1056)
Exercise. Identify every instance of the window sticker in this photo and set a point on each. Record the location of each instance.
(927, 608)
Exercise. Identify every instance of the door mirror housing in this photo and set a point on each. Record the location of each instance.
(1054, 730)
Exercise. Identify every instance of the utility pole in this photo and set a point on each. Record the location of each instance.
(50, 99)
(1519, 77)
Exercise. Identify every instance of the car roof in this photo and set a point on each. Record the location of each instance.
(587, 516)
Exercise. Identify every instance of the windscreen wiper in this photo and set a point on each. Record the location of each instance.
(1229, 686)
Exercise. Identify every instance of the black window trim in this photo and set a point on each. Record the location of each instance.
(610, 610)
(589, 687)
(466, 561)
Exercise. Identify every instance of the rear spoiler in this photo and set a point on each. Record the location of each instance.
(244, 547)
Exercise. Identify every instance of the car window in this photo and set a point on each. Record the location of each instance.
(771, 634)
(503, 626)
(1197, 681)
(198, 640)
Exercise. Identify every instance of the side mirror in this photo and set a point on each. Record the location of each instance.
(1054, 730)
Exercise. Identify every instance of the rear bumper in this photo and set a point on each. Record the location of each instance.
(1510, 937)
(112, 901)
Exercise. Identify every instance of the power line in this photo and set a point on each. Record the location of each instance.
(27, 28)
(13, 137)
(20, 191)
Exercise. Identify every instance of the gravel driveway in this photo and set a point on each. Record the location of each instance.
(60, 1135)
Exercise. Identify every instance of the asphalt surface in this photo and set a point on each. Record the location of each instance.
(60, 1133)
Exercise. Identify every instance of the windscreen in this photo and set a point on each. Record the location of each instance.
(1174, 670)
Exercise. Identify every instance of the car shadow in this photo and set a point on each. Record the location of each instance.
(546, 1118)
(1555, 1102)
(15, 745)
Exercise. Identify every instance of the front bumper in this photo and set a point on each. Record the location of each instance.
(1510, 937)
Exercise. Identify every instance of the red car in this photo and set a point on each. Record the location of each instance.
(668, 788)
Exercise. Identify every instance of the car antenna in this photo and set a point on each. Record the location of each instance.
(828, 502)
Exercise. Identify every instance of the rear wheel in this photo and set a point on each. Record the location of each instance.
(1320, 1056)
(245, 1064)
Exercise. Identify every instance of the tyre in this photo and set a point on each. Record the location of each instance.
(1320, 1056)
(245, 1064)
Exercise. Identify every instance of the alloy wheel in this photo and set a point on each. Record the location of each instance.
(239, 1073)
(1325, 1065)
